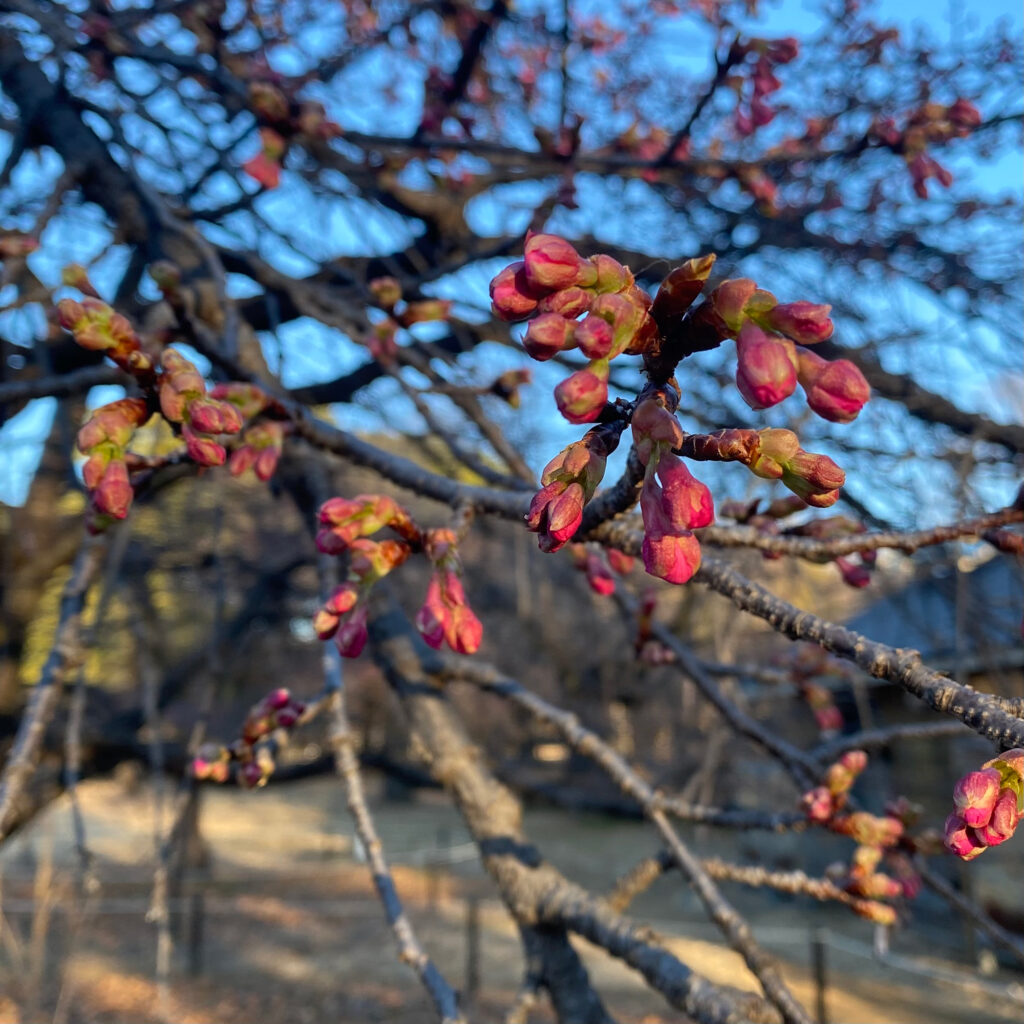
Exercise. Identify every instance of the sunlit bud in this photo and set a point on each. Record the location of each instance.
(776, 447)
(555, 513)
(729, 301)
(671, 557)
(76, 276)
(870, 830)
(594, 337)
(209, 416)
(865, 861)
(612, 276)
(548, 334)
(817, 804)
(346, 519)
(802, 322)
(386, 291)
(654, 429)
(114, 423)
(815, 478)
(567, 302)
(878, 887)
(766, 367)
(582, 395)
(836, 390)
(166, 275)
(203, 450)
(552, 263)
(512, 296)
(426, 311)
(506, 385)
(113, 494)
(277, 699)
(960, 839)
(679, 289)
(975, 795)
(627, 316)
(372, 560)
(466, 631)
(686, 501)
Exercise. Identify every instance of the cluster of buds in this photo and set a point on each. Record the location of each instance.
(822, 703)
(250, 758)
(553, 287)
(771, 355)
(261, 443)
(282, 119)
(929, 123)
(673, 501)
(386, 294)
(346, 525)
(876, 837)
(568, 482)
(600, 566)
(768, 54)
(445, 616)
(184, 400)
(988, 806)
(97, 327)
(104, 440)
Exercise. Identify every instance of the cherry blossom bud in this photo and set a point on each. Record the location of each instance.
(654, 428)
(582, 395)
(671, 557)
(802, 322)
(372, 560)
(878, 913)
(552, 263)
(549, 334)
(729, 301)
(679, 290)
(426, 311)
(854, 575)
(512, 296)
(818, 805)
(568, 302)
(386, 291)
(113, 424)
(782, 51)
(555, 513)
(201, 449)
(352, 634)
(975, 795)
(836, 390)
(766, 370)
(628, 318)
(686, 501)
(113, 494)
(346, 519)
(960, 839)
(622, 564)
(612, 276)
(870, 830)
(594, 337)
(209, 416)
(1003, 821)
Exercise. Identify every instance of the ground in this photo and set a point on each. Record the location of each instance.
(291, 931)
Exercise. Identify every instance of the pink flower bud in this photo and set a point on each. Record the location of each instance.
(818, 805)
(352, 634)
(612, 276)
(386, 291)
(671, 557)
(203, 450)
(113, 494)
(426, 311)
(582, 395)
(251, 775)
(568, 302)
(548, 335)
(466, 631)
(815, 478)
(960, 839)
(802, 322)
(286, 718)
(512, 296)
(836, 391)
(729, 301)
(854, 575)
(975, 795)
(686, 501)
(552, 263)
(1003, 822)
(870, 830)
(627, 316)
(594, 337)
(766, 370)
(622, 564)
(555, 513)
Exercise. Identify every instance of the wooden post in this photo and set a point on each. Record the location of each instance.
(820, 970)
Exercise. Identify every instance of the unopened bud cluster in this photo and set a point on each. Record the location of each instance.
(250, 759)
(345, 528)
(600, 566)
(988, 806)
(386, 294)
(876, 838)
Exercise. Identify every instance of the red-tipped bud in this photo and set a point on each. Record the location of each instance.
(612, 276)
(818, 805)
(386, 291)
(960, 839)
(729, 301)
(836, 391)
(1004, 820)
(766, 368)
(203, 450)
(802, 322)
(870, 830)
(552, 263)
(975, 795)
(582, 395)
(426, 311)
(686, 501)
(568, 302)
(622, 564)
(352, 634)
(512, 296)
(594, 337)
(555, 513)
(654, 429)
(548, 335)
(113, 494)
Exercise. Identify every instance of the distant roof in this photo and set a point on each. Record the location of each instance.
(954, 615)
